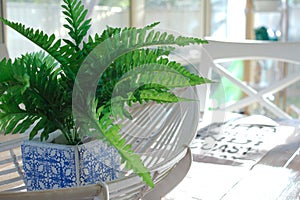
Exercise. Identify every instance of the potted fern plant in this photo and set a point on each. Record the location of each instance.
(69, 89)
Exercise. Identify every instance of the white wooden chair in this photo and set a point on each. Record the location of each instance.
(221, 51)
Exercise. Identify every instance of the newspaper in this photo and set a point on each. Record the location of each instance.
(243, 140)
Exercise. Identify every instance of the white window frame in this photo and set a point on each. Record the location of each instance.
(2, 27)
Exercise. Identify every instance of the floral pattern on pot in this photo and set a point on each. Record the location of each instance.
(49, 166)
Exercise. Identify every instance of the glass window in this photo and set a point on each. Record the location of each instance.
(179, 16)
(218, 18)
(46, 15)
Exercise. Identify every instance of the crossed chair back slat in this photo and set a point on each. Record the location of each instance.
(279, 52)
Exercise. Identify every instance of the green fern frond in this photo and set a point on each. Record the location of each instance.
(132, 160)
(111, 32)
(43, 75)
(78, 27)
(46, 96)
(132, 39)
(154, 95)
(53, 47)
(140, 95)
(13, 76)
(123, 65)
(40, 94)
(15, 119)
(5, 70)
(144, 67)
(95, 41)
(106, 130)
(41, 39)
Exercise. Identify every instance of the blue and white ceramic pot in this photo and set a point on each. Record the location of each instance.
(49, 166)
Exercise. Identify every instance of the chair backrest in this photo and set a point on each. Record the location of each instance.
(253, 49)
(223, 51)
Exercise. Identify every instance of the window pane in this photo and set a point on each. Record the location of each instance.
(176, 15)
(114, 13)
(42, 15)
(218, 19)
(46, 15)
